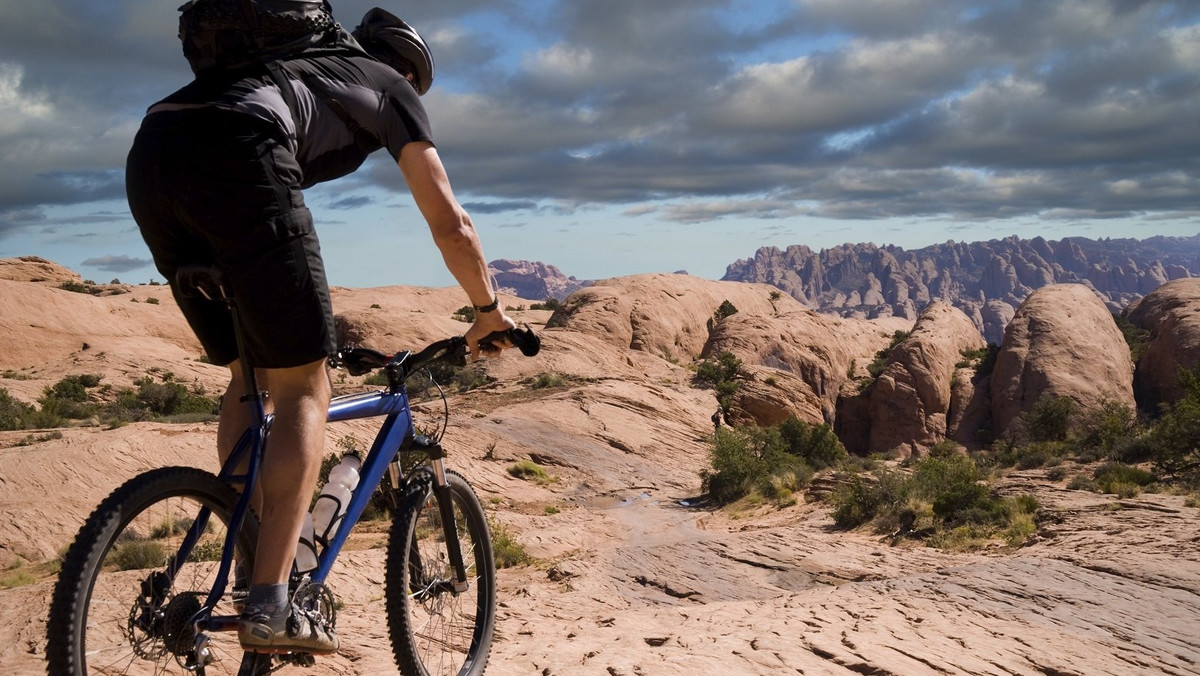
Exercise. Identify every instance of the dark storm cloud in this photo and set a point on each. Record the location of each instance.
(869, 109)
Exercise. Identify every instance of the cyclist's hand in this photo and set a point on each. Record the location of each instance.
(487, 323)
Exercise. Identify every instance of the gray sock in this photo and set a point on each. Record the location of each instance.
(269, 600)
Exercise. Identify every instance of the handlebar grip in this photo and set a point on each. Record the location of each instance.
(524, 340)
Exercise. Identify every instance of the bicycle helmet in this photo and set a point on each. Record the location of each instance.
(389, 39)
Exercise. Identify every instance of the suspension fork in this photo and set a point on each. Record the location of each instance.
(445, 501)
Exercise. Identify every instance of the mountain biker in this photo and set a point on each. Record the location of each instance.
(215, 176)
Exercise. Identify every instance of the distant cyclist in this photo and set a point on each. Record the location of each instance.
(215, 177)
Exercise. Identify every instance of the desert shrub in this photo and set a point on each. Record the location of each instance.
(507, 550)
(944, 493)
(137, 555)
(817, 445)
(1136, 338)
(725, 309)
(548, 304)
(78, 287)
(984, 359)
(14, 414)
(772, 461)
(864, 498)
(457, 378)
(1106, 425)
(721, 374)
(152, 400)
(465, 313)
(880, 361)
(1121, 479)
(1050, 418)
(546, 380)
(529, 471)
(1175, 437)
(68, 398)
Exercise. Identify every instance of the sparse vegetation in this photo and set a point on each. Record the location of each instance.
(881, 357)
(1135, 337)
(943, 498)
(721, 374)
(548, 304)
(507, 551)
(70, 399)
(725, 309)
(530, 471)
(770, 462)
(547, 380)
(983, 360)
(465, 313)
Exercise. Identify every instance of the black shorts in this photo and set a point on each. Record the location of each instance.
(216, 187)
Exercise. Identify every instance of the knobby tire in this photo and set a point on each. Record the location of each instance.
(100, 623)
(435, 631)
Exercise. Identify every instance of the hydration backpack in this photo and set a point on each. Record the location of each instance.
(229, 35)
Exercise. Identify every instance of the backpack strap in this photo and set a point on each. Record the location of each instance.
(279, 75)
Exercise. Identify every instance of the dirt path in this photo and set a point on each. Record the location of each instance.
(1111, 588)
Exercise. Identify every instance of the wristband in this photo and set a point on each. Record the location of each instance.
(489, 307)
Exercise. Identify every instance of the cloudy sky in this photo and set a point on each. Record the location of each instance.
(614, 137)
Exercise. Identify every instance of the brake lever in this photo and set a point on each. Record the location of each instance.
(524, 340)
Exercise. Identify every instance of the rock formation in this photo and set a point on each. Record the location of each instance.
(986, 280)
(910, 401)
(1171, 314)
(797, 362)
(1061, 342)
(533, 280)
(668, 316)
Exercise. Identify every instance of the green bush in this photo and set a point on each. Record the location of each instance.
(1121, 479)
(14, 414)
(942, 494)
(507, 551)
(1175, 437)
(1050, 418)
(530, 471)
(984, 359)
(726, 309)
(136, 555)
(769, 461)
(881, 357)
(1136, 338)
(817, 445)
(721, 374)
(465, 313)
(549, 304)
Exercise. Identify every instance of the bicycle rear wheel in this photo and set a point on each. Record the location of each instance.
(436, 631)
(115, 610)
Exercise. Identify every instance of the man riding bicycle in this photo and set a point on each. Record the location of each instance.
(215, 176)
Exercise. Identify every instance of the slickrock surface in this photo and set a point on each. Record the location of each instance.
(1062, 342)
(634, 574)
(1170, 314)
(910, 400)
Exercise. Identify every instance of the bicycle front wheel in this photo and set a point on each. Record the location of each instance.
(435, 630)
(117, 609)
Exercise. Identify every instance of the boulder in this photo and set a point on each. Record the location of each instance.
(1062, 341)
(668, 316)
(1172, 316)
(910, 400)
(796, 363)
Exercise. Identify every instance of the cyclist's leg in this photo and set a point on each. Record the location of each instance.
(293, 459)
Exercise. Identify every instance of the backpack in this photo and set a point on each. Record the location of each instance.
(230, 35)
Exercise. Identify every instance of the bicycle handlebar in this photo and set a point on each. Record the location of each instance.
(362, 360)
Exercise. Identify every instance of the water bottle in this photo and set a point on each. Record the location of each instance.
(306, 548)
(335, 496)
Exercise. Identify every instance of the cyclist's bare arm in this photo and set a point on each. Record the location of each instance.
(454, 234)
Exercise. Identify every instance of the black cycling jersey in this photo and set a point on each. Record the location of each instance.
(372, 96)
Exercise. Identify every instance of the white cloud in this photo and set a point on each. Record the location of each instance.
(18, 107)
